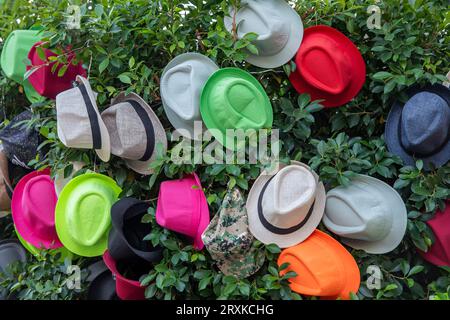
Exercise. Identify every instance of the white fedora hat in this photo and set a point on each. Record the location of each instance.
(79, 122)
(182, 82)
(368, 214)
(279, 29)
(135, 131)
(286, 207)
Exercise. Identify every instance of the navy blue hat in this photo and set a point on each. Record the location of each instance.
(420, 128)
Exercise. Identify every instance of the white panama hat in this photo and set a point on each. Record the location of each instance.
(279, 29)
(286, 207)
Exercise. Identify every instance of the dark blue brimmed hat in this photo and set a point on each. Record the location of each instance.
(420, 128)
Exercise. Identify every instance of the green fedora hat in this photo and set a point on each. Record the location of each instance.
(83, 213)
(233, 99)
(13, 57)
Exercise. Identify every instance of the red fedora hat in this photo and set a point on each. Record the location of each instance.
(439, 253)
(329, 67)
(46, 82)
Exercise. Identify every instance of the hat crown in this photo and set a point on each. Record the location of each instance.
(289, 196)
(181, 88)
(88, 212)
(38, 203)
(425, 123)
(237, 100)
(262, 17)
(324, 65)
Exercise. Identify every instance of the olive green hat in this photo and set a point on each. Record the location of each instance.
(83, 213)
(233, 99)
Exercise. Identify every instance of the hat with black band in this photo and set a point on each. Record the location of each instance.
(78, 106)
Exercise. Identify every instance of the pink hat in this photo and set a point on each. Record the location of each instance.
(126, 289)
(33, 209)
(182, 207)
(439, 253)
(46, 82)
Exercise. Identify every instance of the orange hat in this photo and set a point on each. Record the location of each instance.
(324, 267)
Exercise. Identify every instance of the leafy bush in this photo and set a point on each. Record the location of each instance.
(126, 44)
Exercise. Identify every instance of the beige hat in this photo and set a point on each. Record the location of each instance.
(286, 207)
(135, 131)
(79, 122)
(5, 186)
(60, 181)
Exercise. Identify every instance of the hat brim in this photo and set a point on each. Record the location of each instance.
(62, 226)
(209, 118)
(143, 167)
(104, 153)
(174, 119)
(399, 222)
(204, 217)
(283, 241)
(392, 131)
(27, 231)
(292, 45)
(358, 67)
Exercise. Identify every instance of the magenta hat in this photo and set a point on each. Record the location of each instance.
(33, 209)
(126, 289)
(46, 82)
(182, 207)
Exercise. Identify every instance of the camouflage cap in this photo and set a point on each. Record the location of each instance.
(229, 240)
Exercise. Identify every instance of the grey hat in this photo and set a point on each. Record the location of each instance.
(420, 128)
(368, 214)
(79, 122)
(135, 131)
(182, 82)
(279, 29)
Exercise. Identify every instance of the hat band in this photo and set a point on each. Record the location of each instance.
(93, 118)
(271, 227)
(149, 130)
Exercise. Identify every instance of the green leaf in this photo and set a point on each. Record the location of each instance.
(124, 78)
(103, 65)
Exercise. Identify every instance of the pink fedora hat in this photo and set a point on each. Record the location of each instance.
(182, 207)
(126, 289)
(33, 209)
(46, 82)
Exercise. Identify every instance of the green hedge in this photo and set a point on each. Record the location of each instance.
(126, 44)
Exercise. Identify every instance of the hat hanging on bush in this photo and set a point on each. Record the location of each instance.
(101, 282)
(134, 131)
(329, 67)
(10, 252)
(47, 83)
(20, 143)
(78, 106)
(5, 185)
(229, 240)
(33, 210)
(286, 207)
(83, 213)
(61, 181)
(127, 274)
(439, 253)
(182, 82)
(182, 207)
(233, 99)
(14, 53)
(420, 128)
(126, 238)
(324, 268)
(278, 26)
(368, 215)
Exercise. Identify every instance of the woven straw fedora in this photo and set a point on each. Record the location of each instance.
(134, 131)
(78, 106)
(286, 207)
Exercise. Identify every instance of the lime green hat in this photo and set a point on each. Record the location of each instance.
(35, 251)
(83, 213)
(233, 99)
(13, 57)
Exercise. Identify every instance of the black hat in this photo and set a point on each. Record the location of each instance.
(20, 143)
(420, 128)
(101, 283)
(127, 233)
